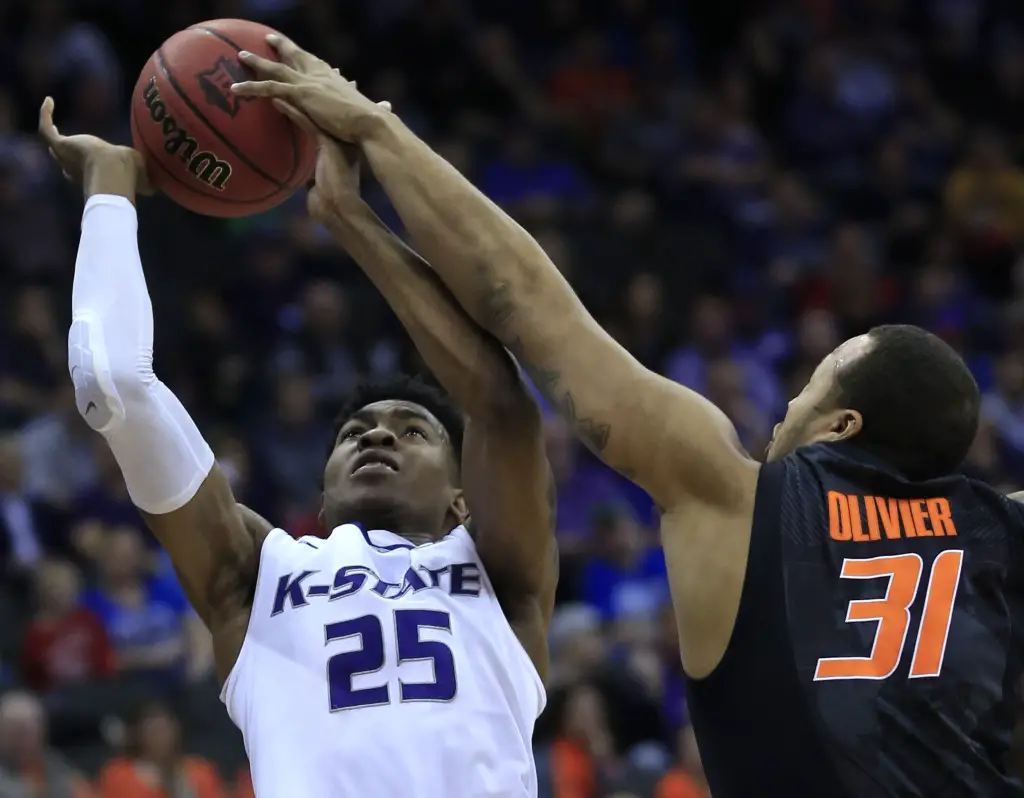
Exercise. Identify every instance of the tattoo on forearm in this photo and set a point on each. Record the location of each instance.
(593, 433)
(500, 307)
(498, 302)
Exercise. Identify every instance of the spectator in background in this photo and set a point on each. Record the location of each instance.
(587, 86)
(851, 285)
(686, 779)
(30, 357)
(29, 768)
(28, 528)
(626, 578)
(292, 445)
(147, 619)
(644, 323)
(530, 182)
(104, 506)
(65, 643)
(983, 459)
(1005, 108)
(818, 130)
(941, 299)
(816, 336)
(1003, 408)
(582, 749)
(792, 242)
(58, 450)
(578, 647)
(985, 202)
(582, 485)
(319, 346)
(726, 390)
(723, 165)
(153, 764)
(222, 376)
(712, 338)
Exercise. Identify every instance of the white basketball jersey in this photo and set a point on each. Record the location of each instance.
(372, 667)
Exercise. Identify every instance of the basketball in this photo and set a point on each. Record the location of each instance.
(207, 149)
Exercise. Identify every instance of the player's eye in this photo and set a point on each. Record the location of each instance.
(349, 434)
(416, 431)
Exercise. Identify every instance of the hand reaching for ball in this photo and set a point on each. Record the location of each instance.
(333, 104)
(335, 188)
(101, 167)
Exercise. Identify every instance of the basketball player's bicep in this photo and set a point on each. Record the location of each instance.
(511, 496)
(213, 544)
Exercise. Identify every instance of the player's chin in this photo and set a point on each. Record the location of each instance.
(374, 485)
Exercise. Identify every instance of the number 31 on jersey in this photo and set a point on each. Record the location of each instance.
(892, 614)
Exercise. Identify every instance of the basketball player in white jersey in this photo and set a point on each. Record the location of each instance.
(404, 655)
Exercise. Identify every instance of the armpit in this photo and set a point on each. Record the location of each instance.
(255, 524)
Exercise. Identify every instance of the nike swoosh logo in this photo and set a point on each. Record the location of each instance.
(90, 406)
(73, 370)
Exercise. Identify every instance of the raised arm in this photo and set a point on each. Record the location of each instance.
(669, 440)
(506, 476)
(168, 468)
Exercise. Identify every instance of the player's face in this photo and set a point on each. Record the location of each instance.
(392, 461)
(812, 415)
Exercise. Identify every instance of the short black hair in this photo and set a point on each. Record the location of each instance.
(919, 401)
(404, 388)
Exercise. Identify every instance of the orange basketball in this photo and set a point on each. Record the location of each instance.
(207, 149)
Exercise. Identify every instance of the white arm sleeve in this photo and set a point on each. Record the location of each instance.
(161, 452)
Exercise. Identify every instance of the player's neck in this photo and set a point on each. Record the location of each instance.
(410, 526)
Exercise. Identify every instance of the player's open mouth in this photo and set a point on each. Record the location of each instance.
(372, 461)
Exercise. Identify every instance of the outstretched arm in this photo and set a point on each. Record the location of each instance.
(506, 476)
(168, 468)
(668, 439)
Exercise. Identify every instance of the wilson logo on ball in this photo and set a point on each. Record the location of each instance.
(204, 165)
(216, 85)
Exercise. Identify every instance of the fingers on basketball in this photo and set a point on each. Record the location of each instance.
(290, 52)
(265, 88)
(296, 116)
(265, 68)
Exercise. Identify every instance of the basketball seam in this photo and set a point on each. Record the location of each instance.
(199, 115)
(292, 132)
(153, 158)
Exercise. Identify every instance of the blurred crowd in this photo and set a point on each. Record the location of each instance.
(732, 187)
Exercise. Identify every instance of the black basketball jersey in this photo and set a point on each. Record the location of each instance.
(878, 640)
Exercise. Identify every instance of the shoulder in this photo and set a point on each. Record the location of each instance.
(279, 551)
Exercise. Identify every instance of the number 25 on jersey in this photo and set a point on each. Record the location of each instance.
(892, 614)
(371, 657)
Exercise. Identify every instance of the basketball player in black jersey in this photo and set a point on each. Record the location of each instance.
(846, 611)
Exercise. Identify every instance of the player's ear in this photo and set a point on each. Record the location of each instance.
(845, 424)
(458, 507)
